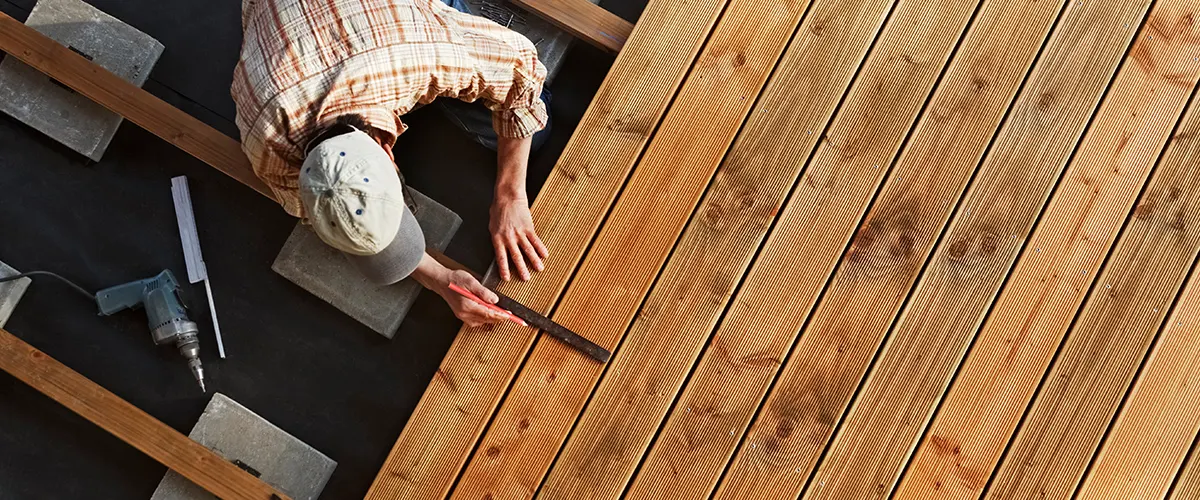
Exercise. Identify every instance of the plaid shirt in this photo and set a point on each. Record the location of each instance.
(306, 62)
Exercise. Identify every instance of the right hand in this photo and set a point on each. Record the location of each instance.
(470, 312)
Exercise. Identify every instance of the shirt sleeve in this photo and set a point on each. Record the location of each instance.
(281, 175)
(513, 88)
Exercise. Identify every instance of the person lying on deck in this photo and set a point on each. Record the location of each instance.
(320, 90)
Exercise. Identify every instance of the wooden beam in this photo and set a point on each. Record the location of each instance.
(968, 266)
(131, 425)
(655, 206)
(128, 100)
(584, 19)
(568, 211)
(772, 305)
(1002, 373)
(692, 293)
(1152, 434)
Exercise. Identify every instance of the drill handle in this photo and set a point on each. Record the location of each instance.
(118, 298)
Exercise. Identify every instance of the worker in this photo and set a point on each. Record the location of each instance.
(321, 87)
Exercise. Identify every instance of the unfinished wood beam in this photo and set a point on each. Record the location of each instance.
(692, 292)
(579, 192)
(654, 207)
(1032, 314)
(130, 424)
(968, 266)
(128, 100)
(1150, 438)
(691, 451)
(584, 19)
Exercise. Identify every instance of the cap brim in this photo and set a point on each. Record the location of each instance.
(399, 259)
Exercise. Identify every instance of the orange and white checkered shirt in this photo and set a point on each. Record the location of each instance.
(306, 62)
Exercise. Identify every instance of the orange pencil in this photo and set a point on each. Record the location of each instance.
(465, 293)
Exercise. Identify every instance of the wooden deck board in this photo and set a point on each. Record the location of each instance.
(939, 190)
(619, 270)
(1033, 313)
(1150, 438)
(568, 211)
(1102, 353)
(1187, 484)
(969, 265)
(676, 322)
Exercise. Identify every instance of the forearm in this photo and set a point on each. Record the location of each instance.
(430, 273)
(512, 163)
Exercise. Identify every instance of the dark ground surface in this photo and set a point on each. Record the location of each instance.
(293, 359)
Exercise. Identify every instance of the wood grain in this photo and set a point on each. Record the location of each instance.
(1033, 313)
(129, 101)
(633, 245)
(583, 19)
(1102, 353)
(1156, 426)
(967, 268)
(567, 212)
(701, 275)
(128, 423)
(732, 377)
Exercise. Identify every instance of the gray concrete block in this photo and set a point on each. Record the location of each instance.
(236, 433)
(308, 262)
(70, 118)
(10, 292)
(551, 42)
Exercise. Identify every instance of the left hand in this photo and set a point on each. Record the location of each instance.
(514, 237)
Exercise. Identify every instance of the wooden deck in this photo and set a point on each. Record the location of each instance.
(852, 249)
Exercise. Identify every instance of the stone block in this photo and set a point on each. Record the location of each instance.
(308, 262)
(241, 436)
(10, 292)
(57, 111)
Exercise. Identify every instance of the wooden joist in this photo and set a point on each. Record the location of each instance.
(130, 424)
(128, 100)
(1149, 439)
(1033, 313)
(638, 236)
(584, 19)
(897, 235)
(481, 363)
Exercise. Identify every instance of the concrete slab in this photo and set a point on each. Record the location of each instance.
(240, 435)
(72, 119)
(307, 261)
(10, 292)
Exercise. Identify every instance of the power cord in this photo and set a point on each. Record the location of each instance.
(77, 288)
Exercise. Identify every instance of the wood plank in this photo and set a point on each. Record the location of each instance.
(1089, 377)
(901, 229)
(1187, 484)
(128, 423)
(1032, 314)
(678, 317)
(591, 171)
(1154, 430)
(584, 19)
(612, 282)
(967, 267)
(129, 101)
(918, 361)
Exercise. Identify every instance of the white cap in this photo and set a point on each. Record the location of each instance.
(352, 194)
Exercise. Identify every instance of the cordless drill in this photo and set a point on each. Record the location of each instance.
(168, 317)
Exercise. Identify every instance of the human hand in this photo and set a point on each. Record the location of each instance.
(515, 238)
(470, 312)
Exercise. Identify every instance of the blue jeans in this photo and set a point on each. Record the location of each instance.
(475, 119)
